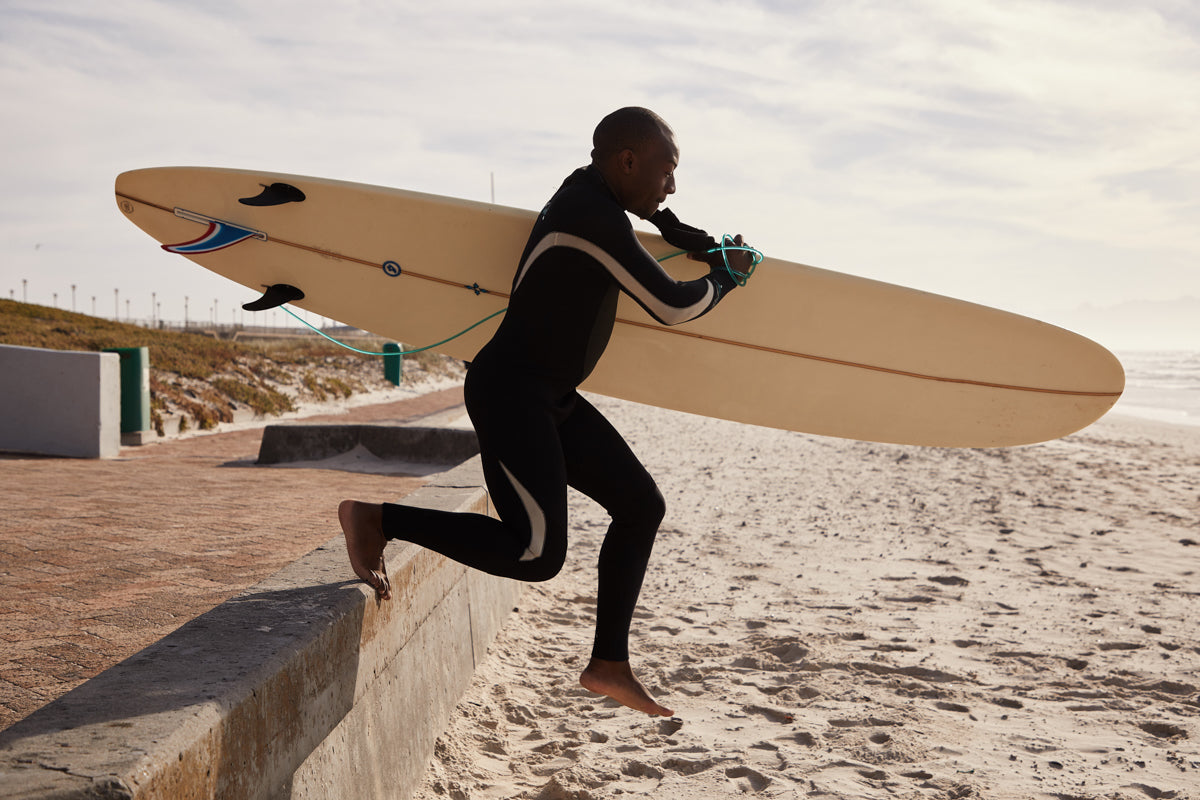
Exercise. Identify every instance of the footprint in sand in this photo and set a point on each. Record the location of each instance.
(1007, 702)
(772, 714)
(639, 769)
(518, 714)
(869, 722)
(789, 652)
(957, 708)
(949, 580)
(669, 727)
(746, 780)
(685, 766)
(1163, 730)
(801, 737)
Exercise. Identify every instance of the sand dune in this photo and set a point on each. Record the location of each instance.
(842, 619)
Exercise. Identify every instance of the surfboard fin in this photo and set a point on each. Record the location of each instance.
(275, 296)
(274, 195)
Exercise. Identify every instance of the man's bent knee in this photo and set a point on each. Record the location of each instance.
(646, 510)
(542, 568)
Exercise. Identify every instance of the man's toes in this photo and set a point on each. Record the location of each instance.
(382, 583)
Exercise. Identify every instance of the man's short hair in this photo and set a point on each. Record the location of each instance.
(626, 128)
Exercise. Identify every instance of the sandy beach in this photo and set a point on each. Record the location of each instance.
(841, 619)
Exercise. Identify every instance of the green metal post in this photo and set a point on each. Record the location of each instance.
(393, 363)
(135, 388)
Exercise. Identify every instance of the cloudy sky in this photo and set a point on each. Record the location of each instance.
(1035, 155)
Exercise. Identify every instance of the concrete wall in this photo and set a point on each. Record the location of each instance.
(304, 686)
(399, 444)
(60, 403)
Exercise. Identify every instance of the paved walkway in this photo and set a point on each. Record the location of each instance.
(99, 559)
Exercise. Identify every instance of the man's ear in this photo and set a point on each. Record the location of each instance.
(627, 159)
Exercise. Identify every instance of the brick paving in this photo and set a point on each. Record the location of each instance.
(99, 559)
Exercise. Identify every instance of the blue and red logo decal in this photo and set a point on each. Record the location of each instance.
(220, 234)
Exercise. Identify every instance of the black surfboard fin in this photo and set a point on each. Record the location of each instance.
(274, 195)
(275, 296)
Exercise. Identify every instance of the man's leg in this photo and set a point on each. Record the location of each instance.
(600, 464)
(528, 487)
(527, 482)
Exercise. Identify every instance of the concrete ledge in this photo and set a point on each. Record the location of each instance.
(60, 402)
(408, 444)
(303, 686)
(137, 438)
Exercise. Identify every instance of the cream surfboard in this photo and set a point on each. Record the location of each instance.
(798, 348)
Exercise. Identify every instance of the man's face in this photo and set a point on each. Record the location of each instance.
(649, 175)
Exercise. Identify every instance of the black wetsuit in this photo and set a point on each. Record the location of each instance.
(537, 435)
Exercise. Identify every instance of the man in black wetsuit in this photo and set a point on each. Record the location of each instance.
(537, 435)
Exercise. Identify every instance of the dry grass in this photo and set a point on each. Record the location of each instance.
(206, 379)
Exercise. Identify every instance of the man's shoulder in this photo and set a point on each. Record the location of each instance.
(583, 203)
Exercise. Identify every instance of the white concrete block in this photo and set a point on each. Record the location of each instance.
(60, 402)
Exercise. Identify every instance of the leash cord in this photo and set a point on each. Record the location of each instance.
(398, 352)
(723, 248)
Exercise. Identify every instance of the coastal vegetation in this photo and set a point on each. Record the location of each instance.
(202, 376)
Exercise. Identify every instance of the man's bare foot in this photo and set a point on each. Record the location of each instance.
(616, 679)
(362, 525)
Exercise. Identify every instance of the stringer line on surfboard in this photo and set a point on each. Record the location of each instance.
(194, 217)
(855, 364)
(395, 271)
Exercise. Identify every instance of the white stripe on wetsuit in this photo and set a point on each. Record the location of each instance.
(537, 519)
(667, 313)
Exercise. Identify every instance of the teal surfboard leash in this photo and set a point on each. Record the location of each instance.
(398, 352)
(726, 245)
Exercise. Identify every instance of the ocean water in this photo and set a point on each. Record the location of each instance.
(1162, 385)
